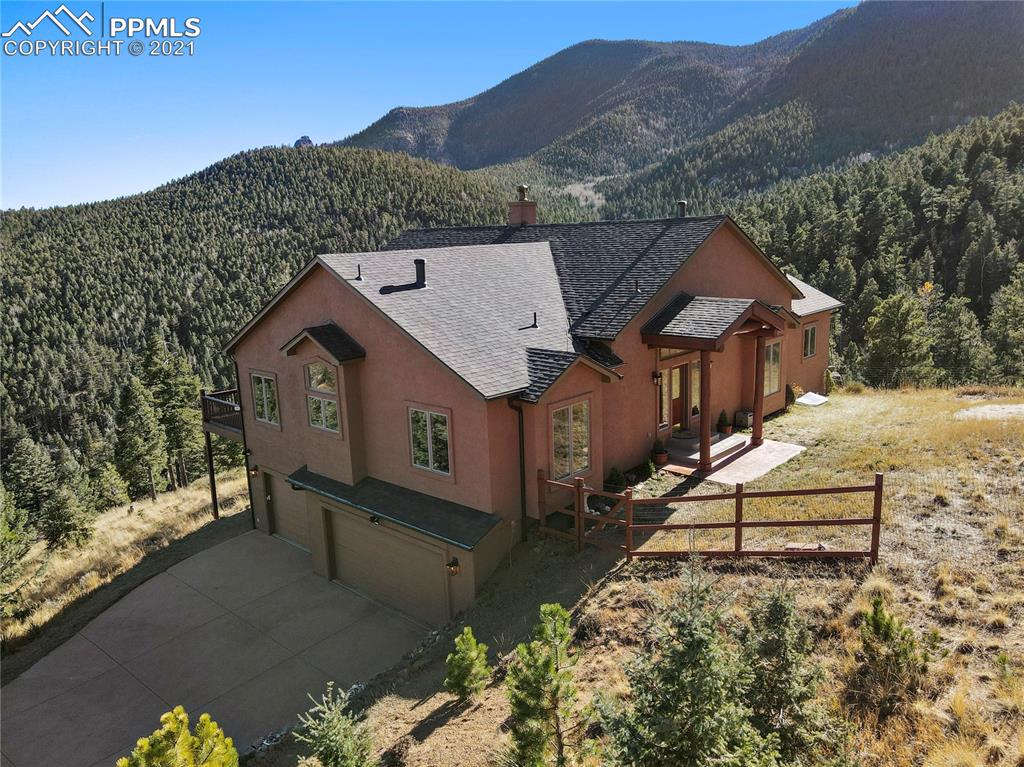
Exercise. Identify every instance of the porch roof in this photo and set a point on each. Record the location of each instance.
(706, 322)
(335, 342)
(450, 522)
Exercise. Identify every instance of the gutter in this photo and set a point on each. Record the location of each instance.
(522, 469)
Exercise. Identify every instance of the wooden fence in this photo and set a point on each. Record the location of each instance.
(621, 515)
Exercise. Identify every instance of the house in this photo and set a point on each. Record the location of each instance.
(397, 406)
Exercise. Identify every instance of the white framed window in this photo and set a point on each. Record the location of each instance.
(810, 341)
(322, 397)
(264, 399)
(570, 439)
(430, 439)
(772, 367)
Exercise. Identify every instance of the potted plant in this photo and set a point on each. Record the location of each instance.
(659, 453)
(724, 426)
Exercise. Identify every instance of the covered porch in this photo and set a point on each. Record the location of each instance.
(701, 326)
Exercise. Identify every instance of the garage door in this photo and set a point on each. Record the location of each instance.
(287, 509)
(389, 566)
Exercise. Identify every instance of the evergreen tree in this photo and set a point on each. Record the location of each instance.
(174, 744)
(1005, 330)
(15, 540)
(140, 445)
(108, 489)
(31, 478)
(66, 520)
(898, 344)
(467, 669)
(959, 349)
(544, 725)
(181, 419)
(686, 704)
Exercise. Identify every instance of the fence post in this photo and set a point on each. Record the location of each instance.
(738, 536)
(542, 501)
(876, 519)
(629, 523)
(580, 498)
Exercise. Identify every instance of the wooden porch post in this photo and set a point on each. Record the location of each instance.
(213, 475)
(757, 436)
(704, 464)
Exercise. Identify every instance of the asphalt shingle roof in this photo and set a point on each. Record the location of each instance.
(607, 270)
(545, 366)
(336, 342)
(450, 522)
(476, 313)
(814, 300)
(697, 316)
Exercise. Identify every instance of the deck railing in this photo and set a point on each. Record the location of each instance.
(222, 408)
(590, 527)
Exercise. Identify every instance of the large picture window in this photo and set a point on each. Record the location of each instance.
(430, 440)
(264, 399)
(810, 341)
(772, 367)
(322, 397)
(570, 435)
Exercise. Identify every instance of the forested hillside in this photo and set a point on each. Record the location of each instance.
(872, 78)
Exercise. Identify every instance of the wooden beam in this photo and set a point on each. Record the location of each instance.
(757, 435)
(704, 464)
(213, 475)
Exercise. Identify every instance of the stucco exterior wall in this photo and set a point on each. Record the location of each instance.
(808, 372)
(374, 396)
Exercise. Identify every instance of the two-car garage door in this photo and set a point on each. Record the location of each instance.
(390, 566)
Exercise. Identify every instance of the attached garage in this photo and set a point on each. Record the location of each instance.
(422, 555)
(389, 565)
(286, 511)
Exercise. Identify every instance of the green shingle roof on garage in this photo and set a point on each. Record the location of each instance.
(449, 522)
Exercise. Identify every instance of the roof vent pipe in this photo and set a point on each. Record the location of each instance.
(421, 272)
(682, 208)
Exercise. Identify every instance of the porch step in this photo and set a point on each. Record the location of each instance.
(688, 441)
(720, 448)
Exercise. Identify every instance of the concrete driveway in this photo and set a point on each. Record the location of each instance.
(242, 630)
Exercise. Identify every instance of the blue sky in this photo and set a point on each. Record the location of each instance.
(78, 129)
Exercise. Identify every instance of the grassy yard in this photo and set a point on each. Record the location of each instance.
(952, 567)
(122, 537)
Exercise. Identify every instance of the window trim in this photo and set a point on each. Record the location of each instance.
(446, 413)
(323, 396)
(811, 330)
(266, 375)
(563, 405)
(767, 377)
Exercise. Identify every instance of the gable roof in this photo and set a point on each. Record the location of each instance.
(476, 312)
(814, 300)
(607, 270)
(335, 342)
(706, 322)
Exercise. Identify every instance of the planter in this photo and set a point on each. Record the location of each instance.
(725, 429)
(660, 459)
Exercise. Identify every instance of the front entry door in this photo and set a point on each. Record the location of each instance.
(693, 395)
(678, 380)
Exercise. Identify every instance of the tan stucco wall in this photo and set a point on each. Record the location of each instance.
(808, 373)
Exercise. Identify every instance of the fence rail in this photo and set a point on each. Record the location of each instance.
(621, 515)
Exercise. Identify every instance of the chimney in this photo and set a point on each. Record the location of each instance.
(421, 272)
(421, 279)
(524, 210)
(682, 208)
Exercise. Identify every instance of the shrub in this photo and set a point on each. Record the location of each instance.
(647, 469)
(616, 481)
(854, 387)
(723, 420)
(686, 704)
(890, 666)
(468, 671)
(828, 384)
(173, 744)
(544, 722)
(336, 736)
(793, 393)
(659, 445)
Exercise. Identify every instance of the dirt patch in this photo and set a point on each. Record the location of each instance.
(995, 412)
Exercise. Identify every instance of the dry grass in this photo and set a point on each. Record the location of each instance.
(952, 567)
(121, 538)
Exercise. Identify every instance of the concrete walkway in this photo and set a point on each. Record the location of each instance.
(243, 630)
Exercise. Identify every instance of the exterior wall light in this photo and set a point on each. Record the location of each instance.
(254, 471)
(454, 568)
(374, 520)
(656, 378)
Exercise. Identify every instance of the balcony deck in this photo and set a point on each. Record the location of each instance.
(222, 413)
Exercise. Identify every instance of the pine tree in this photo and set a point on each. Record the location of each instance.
(66, 520)
(467, 669)
(174, 744)
(15, 540)
(898, 344)
(959, 349)
(686, 704)
(176, 399)
(108, 489)
(31, 478)
(140, 447)
(1005, 330)
(545, 725)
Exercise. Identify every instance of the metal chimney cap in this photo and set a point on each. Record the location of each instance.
(682, 208)
(523, 191)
